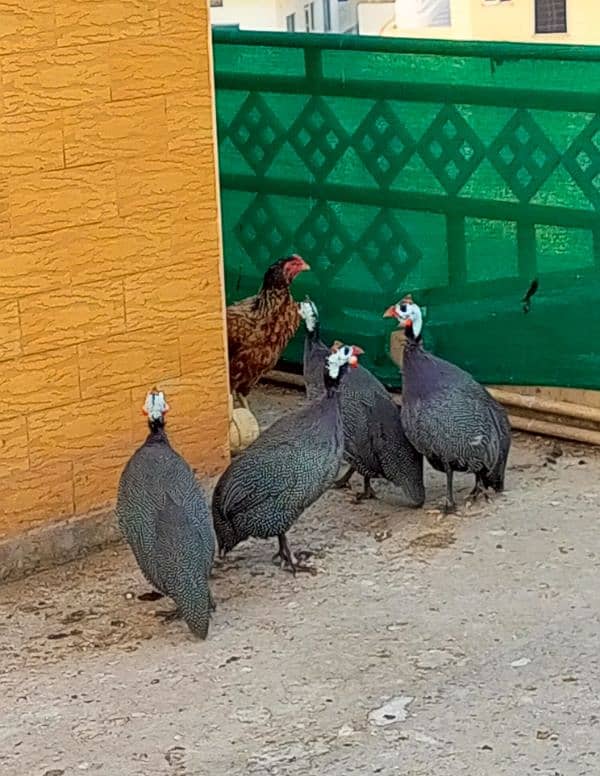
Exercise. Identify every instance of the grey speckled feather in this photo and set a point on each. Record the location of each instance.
(163, 514)
(266, 489)
(452, 419)
(375, 444)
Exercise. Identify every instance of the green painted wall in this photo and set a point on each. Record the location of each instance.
(457, 171)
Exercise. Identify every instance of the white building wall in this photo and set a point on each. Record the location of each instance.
(273, 14)
(374, 17)
(248, 14)
(422, 13)
(344, 15)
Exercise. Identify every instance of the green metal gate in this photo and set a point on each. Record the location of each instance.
(457, 171)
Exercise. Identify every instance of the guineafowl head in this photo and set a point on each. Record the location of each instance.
(409, 316)
(155, 408)
(310, 314)
(281, 273)
(341, 358)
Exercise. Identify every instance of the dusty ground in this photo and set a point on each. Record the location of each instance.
(482, 629)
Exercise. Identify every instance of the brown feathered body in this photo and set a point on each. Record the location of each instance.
(260, 327)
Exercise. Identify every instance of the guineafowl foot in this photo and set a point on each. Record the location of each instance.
(169, 615)
(344, 481)
(293, 561)
(152, 595)
(478, 491)
(289, 561)
(450, 505)
(367, 492)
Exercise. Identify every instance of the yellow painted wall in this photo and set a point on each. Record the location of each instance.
(509, 21)
(110, 265)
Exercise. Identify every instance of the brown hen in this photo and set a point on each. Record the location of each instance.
(260, 327)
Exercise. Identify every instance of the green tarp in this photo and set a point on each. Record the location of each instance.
(457, 171)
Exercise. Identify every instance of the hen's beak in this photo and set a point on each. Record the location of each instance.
(356, 351)
(303, 266)
(390, 312)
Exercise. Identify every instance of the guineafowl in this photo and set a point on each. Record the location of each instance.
(163, 514)
(266, 489)
(447, 415)
(375, 444)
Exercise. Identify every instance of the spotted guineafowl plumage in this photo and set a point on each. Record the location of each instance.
(266, 489)
(375, 444)
(447, 415)
(163, 514)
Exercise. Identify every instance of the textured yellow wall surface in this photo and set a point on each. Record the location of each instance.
(110, 264)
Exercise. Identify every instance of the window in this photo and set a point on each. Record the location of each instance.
(216, 3)
(326, 15)
(290, 22)
(550, 16)
(309, 17)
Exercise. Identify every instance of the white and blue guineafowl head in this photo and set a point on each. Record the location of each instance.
(155, 406)
(340, 355)
(309, 313)
(408, 314)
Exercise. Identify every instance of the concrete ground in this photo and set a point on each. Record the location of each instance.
(424, 646)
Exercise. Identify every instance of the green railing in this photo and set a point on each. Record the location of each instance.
(458, 171)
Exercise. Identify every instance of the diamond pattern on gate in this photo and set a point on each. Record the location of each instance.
(318, 138)
(324, 238)
(451, 149)
(383, 143)
(387, 250)
(257, 133)
(261, 233)
(523, 155)
(582, 161)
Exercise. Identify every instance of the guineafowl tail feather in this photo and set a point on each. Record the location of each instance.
(416, 494)
(195, 609)
(494, 479)
(184, 565)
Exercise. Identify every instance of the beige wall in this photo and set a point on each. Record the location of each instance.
(507, 21)
(110, 270)
(247, 14)
(515, 20)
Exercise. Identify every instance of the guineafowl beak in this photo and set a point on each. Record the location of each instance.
(390, 312)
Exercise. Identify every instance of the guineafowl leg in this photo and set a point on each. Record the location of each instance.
(450, 505)
(344, 479)
(368, 491)
(478, 490)
(213, 604)
(169, 615)
(289, 559)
